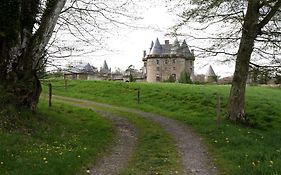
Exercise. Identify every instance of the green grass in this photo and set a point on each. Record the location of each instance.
(155, 150)
(155, 153)
(236, 149)
(57, 140)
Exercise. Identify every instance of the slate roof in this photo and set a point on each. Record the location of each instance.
(175, 47)
(81, 68)
(185, 49)
(156, 49)
(105, 66)
(169, 49)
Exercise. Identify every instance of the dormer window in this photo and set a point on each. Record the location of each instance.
(157, 61)
(166, 61)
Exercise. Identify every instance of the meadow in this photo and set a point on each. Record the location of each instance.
(59, 140)
(236, 149)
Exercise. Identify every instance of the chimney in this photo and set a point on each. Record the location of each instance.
(166, 42)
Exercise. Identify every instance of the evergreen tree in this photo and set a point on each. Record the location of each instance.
(184, 78)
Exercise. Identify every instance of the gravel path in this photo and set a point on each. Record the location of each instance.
(117, 157)
(123, 148)
(194, 156)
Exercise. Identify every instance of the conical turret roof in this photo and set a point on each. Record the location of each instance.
(185, 49)
(157, 48)
(105, 67)
(88, 68)
(150, 47)
(210, 72)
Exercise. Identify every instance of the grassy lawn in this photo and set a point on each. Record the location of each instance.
(57, 140)
(236, 149)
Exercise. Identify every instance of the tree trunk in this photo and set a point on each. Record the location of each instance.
(22, 49)
(236, 103)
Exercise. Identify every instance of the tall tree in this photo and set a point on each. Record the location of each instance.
(26, 29)
(23, 46)
(252, 26)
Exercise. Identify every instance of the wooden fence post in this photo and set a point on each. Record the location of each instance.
(50, 94)
(218, 109)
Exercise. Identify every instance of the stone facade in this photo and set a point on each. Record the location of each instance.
(167, 61)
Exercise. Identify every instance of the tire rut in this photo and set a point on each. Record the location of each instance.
(124, 147)
(117, 157)
(194, 157)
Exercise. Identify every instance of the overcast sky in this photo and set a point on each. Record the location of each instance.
(127, 45)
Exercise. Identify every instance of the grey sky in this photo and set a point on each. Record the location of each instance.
(127, 44)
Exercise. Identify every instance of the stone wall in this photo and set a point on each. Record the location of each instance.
(161, 68)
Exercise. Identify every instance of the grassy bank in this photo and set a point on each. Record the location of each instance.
(56, 140)
(236, 149)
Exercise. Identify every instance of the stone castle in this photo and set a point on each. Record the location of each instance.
(167, 61)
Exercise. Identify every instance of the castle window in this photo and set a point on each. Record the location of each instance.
(157, 61)
(158, 68)
(166, 61)
(174, 77)
(174, 60)
(157, 77)
(174, 68)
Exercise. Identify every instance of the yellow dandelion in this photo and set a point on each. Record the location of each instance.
(78, 156)
(271, 162)
(1, 163)
(176, 172)
(44, 158)
(253, 163)
(46, 161)
(88, 171)
(239, 166)
(216, 141)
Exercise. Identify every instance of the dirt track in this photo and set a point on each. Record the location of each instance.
(193, 155)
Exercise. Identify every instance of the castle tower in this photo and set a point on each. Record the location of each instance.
(104, 69)
(211, 76)
(167, 61)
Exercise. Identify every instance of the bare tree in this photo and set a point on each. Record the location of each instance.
(246, 30)
(84, 27)
(25, 33)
